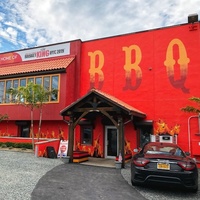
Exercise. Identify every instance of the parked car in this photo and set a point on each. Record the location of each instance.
(164, 163)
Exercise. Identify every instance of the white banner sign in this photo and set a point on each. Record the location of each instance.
(63, 148)
(46, 52)
(36, 53)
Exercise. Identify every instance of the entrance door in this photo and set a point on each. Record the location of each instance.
(23, 128)
(25, 131)
(111, 142)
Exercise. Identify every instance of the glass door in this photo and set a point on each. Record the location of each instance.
(111, 142)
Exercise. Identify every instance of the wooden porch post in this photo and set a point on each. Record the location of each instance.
(71, 140)
(121, 139)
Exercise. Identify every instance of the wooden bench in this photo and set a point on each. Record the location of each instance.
(80, 156)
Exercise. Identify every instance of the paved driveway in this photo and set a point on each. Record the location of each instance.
(81, 182)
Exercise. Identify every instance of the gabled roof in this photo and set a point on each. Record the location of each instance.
(109, 98)
(36, 66)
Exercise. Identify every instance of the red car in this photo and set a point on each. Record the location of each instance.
(164, 163)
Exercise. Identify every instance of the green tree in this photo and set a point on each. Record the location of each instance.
(33, 96)
(193, 109)
(43, 95)
(26, 96)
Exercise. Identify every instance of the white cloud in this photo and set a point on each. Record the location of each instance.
(36, 22)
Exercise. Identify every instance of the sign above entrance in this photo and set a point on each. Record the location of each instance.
(35, 53)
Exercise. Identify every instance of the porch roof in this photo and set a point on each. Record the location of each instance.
(102, 100)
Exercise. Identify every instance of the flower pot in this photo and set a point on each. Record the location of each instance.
(118, 165)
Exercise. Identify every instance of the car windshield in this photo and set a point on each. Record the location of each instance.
(163, 149)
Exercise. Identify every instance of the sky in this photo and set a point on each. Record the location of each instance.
(32, 23)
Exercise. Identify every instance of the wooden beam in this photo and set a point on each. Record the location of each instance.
(110, 117)
(95, 109)
(71, 140)
(83, 114)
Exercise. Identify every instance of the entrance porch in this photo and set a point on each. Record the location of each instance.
(101, 111)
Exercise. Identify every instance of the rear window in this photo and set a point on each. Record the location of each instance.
(164, 149)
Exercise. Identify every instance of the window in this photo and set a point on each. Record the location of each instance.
(23, 82)
(8, 86)
(49, 82)
(15, 83)
(2, 91)
(54, 85)
(30, 79)
(38, 80)
(46, 82)
(86, 135)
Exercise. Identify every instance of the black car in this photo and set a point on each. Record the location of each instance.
(164, 163)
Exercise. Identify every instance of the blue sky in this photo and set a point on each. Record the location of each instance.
(30, 23)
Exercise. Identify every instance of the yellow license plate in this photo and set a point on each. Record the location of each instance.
(165, 166)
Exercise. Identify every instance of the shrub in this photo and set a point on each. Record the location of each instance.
(16, 145)
(3, 146)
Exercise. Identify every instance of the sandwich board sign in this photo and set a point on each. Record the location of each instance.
(63, 148)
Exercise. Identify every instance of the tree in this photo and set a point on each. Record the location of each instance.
(193, 109)
(33, 96)
(26, 96)
(43, 95)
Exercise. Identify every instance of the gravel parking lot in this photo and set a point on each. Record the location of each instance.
(20, 172)
(158, 193)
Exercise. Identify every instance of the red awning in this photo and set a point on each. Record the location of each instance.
(42, 65)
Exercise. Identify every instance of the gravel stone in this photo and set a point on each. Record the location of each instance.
(20, 172)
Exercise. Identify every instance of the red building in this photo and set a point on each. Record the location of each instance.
(114, 93)
(53, 66)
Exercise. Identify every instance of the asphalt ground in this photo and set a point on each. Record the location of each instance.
(81, 182)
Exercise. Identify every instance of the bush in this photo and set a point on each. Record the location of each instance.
(3, 145)
(16, 145)
(9, 144)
